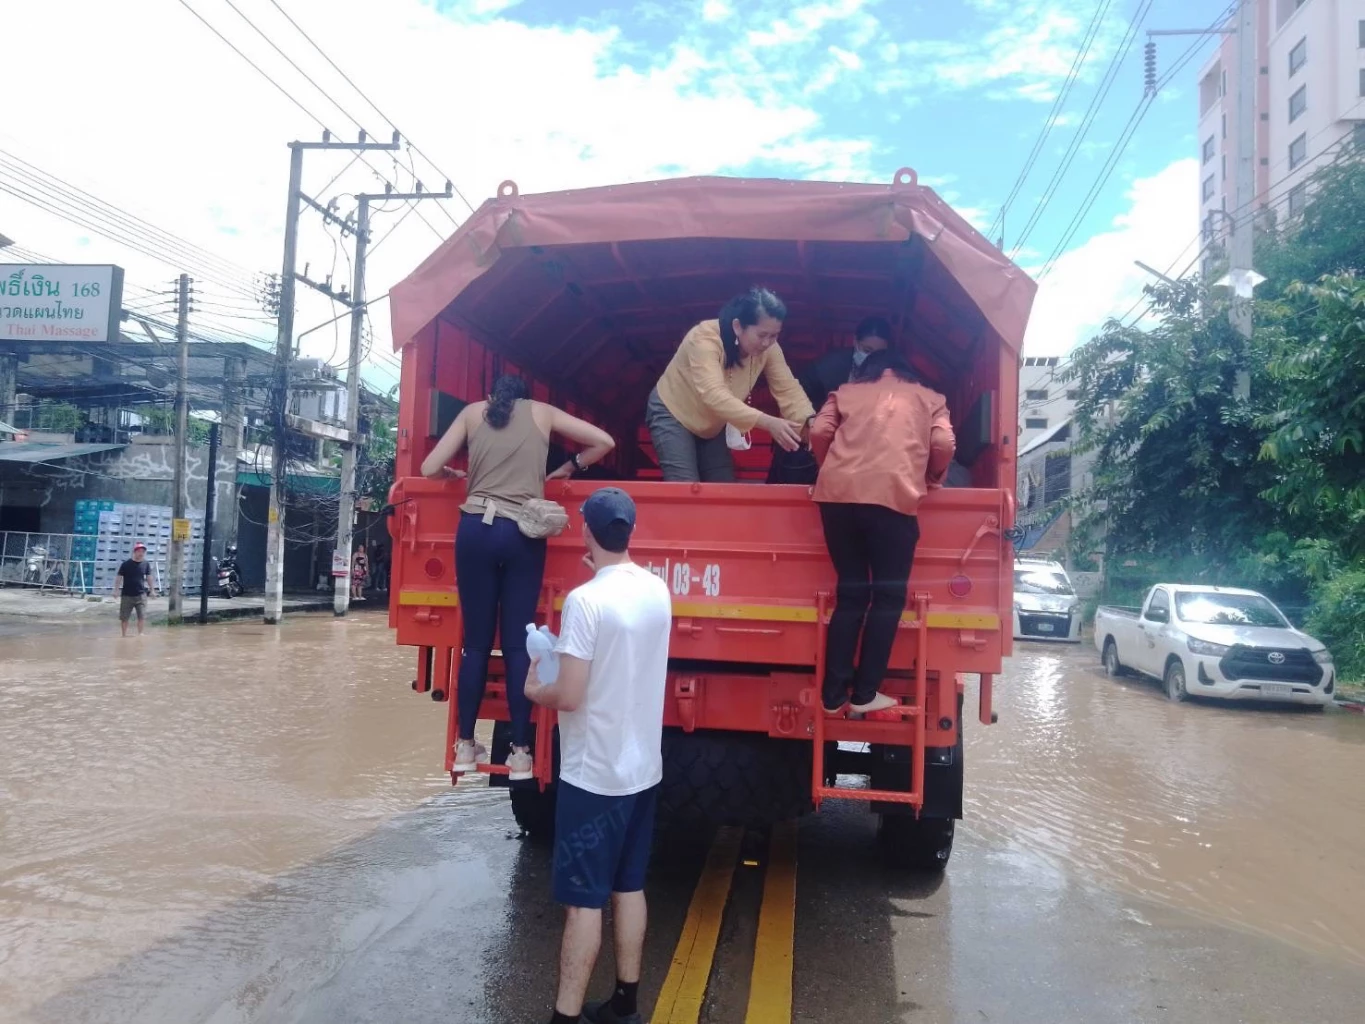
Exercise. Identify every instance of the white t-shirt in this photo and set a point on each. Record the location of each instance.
(620, 621)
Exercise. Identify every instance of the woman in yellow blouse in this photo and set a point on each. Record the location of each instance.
(699, 411)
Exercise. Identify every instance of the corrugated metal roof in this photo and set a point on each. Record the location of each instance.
(42, 451)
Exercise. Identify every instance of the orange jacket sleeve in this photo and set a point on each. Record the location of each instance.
(822, 430)
(942, 445)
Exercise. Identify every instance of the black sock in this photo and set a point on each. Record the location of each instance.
(623, 999)
(564, 1018)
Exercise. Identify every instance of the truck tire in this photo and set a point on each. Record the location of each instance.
(916, 844)
(535, 812)
(727, 778)
(1174, 680)
(1113, 668)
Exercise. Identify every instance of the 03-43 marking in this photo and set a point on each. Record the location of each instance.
(681, 578)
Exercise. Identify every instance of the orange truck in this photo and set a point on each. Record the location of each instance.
(587, 293)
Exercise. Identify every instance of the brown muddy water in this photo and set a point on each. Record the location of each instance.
(145, 784)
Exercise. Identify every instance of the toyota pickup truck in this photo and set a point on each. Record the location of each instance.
(1215, 642)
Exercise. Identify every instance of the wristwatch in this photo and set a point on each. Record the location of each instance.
(577, 463)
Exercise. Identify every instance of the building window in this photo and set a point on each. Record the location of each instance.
(1225, 126)
(1223, 84)
(1208, 149)
(1073, 396)
(1298, 103)
(1208, 188)
(1298, 197)
(1298, 56)
(1298, 151)
(1362, 33)
(1035, 423)
(1225, 167)
(1362, 81)
(1037, 395)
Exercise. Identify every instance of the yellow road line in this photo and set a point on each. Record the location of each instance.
(684, 989)
(770, 983)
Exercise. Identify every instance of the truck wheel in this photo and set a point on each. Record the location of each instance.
(1113, 668)
(1175, 681)
(535, 812)
(916, 844)
(727, 778)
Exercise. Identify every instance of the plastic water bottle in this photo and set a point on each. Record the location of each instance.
(540, 644)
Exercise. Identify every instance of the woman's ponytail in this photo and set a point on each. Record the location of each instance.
(507, 390)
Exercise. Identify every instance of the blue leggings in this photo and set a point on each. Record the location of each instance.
(497, 569)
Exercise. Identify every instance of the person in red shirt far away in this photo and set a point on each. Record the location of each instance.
(882, 441)
(613, 669)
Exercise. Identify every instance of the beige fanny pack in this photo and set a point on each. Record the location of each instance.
(537, 519)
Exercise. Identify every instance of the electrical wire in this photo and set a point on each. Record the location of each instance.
(1050, 121)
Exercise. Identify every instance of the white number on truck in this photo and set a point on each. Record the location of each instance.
(710, 581)
(682, 578)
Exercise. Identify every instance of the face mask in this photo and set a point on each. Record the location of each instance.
(859, 357)
(736, 440)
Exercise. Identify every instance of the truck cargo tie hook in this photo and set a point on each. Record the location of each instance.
(906, 176)
(508, 190)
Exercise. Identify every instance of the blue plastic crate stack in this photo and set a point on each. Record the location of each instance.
(108, 530)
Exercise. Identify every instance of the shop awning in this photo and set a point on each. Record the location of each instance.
(43, 451)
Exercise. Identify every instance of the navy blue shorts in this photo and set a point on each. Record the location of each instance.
(601, 844)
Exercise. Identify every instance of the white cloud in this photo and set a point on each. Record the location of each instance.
(1098, 279)
(164, 120)
(716, 11)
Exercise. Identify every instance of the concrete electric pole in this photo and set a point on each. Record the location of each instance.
(284, 355)
(1241, 279)
(179, 534)
(341, 599)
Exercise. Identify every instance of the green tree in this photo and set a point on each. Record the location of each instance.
(374, 467)
(1176, 472)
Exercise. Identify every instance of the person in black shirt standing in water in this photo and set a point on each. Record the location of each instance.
(132, 587)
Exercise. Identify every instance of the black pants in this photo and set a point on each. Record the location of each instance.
(498, 572)
(872, 548)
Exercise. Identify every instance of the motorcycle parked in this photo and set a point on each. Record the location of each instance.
(229, 576)
(39, 571)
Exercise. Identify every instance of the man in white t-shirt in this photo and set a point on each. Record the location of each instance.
(613, 668)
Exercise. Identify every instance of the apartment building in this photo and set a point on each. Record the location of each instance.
(1045, 400)
(1310, 99)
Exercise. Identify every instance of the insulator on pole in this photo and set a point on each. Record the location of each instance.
(1149, 63)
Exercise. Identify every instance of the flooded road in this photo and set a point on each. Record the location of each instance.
(237, 824)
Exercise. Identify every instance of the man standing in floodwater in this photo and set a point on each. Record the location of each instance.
(613, 654)
(132, 586)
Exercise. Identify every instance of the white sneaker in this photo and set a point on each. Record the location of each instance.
(878, 703)
(468, 754)
(519, 765)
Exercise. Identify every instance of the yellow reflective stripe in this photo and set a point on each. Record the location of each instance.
(430, 598)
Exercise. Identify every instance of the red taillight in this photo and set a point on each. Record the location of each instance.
(434, 568)
(959, 586)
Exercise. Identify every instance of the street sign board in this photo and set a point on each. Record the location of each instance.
(60, 302)
(340, 566)
(180, 529)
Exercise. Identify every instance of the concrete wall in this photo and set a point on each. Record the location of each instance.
(139, 474)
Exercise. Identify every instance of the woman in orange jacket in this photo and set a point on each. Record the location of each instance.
(882, 441)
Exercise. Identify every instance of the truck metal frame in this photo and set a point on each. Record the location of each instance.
(587, 293)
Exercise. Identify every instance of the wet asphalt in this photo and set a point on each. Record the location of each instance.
(234, 824)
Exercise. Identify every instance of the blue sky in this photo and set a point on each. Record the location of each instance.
(565, 93)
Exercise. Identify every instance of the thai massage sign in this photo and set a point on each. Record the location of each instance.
(61, 302)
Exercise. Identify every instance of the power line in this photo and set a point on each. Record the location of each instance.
(1051, 120)
(362, 94)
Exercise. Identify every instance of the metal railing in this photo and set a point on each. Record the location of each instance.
(46, 561)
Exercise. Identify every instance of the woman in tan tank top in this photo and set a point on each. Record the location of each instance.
(498, 570)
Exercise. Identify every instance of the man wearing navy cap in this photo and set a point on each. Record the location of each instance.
(613, 667)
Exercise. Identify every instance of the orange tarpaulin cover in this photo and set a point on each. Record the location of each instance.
(711, 207)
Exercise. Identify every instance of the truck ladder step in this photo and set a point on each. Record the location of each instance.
(890, 796)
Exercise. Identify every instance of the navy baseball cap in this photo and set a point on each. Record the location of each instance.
(610, 515)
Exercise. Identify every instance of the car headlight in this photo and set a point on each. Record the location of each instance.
(1323, 657)
(1205, 648)
(1074, 609)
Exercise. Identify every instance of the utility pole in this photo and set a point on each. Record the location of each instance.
(176, 569)
(341, 598)
(1241, 279)
(284, 354)
(1240, 283)
(210, 494)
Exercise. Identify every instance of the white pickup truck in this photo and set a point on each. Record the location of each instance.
(1215, 642)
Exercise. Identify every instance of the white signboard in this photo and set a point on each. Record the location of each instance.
(340, 566)
(60, 302)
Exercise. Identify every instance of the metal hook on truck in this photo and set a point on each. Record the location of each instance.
(587, 293)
